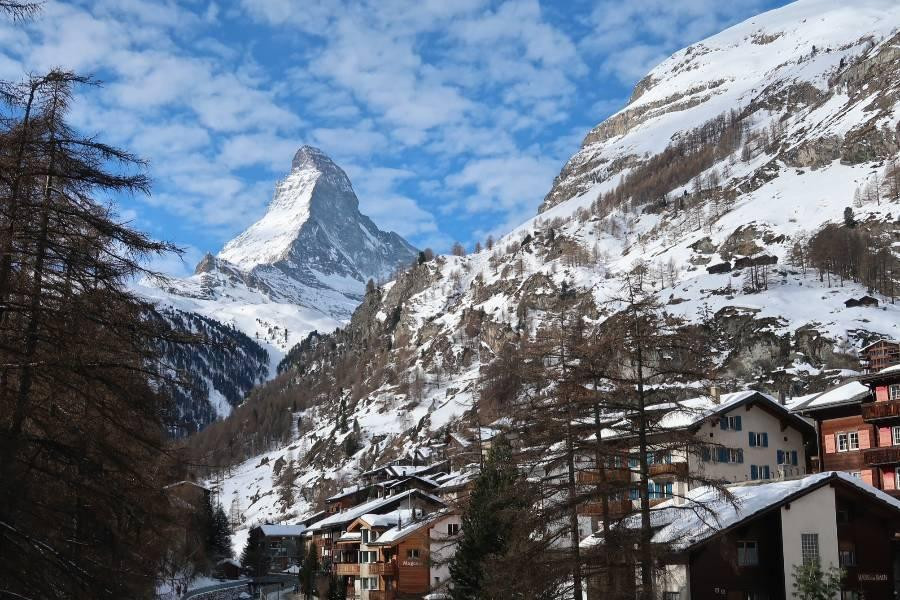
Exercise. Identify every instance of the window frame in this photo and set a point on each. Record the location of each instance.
(453, 529)
(746, 558)
(413, 554)
(851, 435)
(809, 544)
(843, 441)
(893, 391)
(895, 435)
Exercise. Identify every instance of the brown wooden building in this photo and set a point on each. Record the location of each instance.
(750, 550)
(881, 355)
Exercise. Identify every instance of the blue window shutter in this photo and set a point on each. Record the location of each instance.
(765, 440)
(766, 474)
(794, 457)
(669, 490)
(740, 454)
(704, 453)
(737, 423)
(752, 439)
(723, 455)
(723, 423)
(780, 456)
(754, 472)
(633, 494)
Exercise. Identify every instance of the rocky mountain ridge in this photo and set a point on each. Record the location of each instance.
(728, 177)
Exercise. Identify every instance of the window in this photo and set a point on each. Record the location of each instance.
(809, 548)
(894, 392)
(847, 557)
(412, 553)
(896, 478)
(365, 536)
(747, 553)
(760, 472)
(849, 595)
(734, 423)
(848, 441)
(437, 581)
(452, 528)
(735, 455)
(857, 474)
(368, 583)
(895, 435)
(368, 556)
(671, 595)
(760, 439)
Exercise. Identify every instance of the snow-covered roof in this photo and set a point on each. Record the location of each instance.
(847, 393)
(885, 340)
(460, 439)
(347, 491)
(399, 470)
(407, 527)
(372, 506)
(282, 530)
(705, 512)
(293, 569)
(350, 536)
(390, 519)
(693, 411)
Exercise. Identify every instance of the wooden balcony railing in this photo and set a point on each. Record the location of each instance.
(383, 568)
(676, 469)
(617, 509)
(382, 594)
(882, 456)
(593, 476)
(346, 568)
(876, 411)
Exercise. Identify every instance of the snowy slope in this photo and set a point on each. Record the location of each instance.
(812, 90)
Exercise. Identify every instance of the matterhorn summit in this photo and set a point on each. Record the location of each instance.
(302, 267)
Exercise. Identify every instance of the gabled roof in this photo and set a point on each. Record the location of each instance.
(885, 340)
(693, 412)
(373, 506)
(683, 526)
(347, 491)
(850, 392)
(886, 374)
(270, 529)
(396, 534)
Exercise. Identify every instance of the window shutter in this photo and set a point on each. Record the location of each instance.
(704, 453)
(864, 443)
(737, 423)
(794, 457)
(740, 454)
(723, 423)
(752, 439)
(830, 444)
(723, 455)
(766, 473)
(780, 456)
(765, 440)
(754, 472)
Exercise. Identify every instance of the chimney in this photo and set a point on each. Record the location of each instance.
(715, 394)
(781, 397)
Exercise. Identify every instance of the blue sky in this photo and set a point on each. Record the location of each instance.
(451, 117)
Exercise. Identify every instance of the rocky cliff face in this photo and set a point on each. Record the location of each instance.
(731, 156)
(302, 267)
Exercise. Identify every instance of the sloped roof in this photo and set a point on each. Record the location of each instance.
(270, 529)
(372, 506)
(851, 392)
(692, 412)
(685, 525)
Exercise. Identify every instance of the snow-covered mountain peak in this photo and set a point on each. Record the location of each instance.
(310, 158)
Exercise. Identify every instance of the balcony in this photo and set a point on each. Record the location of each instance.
(659, 470)
(593, 476)
(383, 568)
(877, 411)
(882, 456)
(346, 569)
(617, 509)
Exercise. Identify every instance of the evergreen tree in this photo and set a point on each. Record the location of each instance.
(255, 557)
(811, 582)
(849, 219)
(219, 536)
(308, 571)
(487, 522)
(286, 482)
